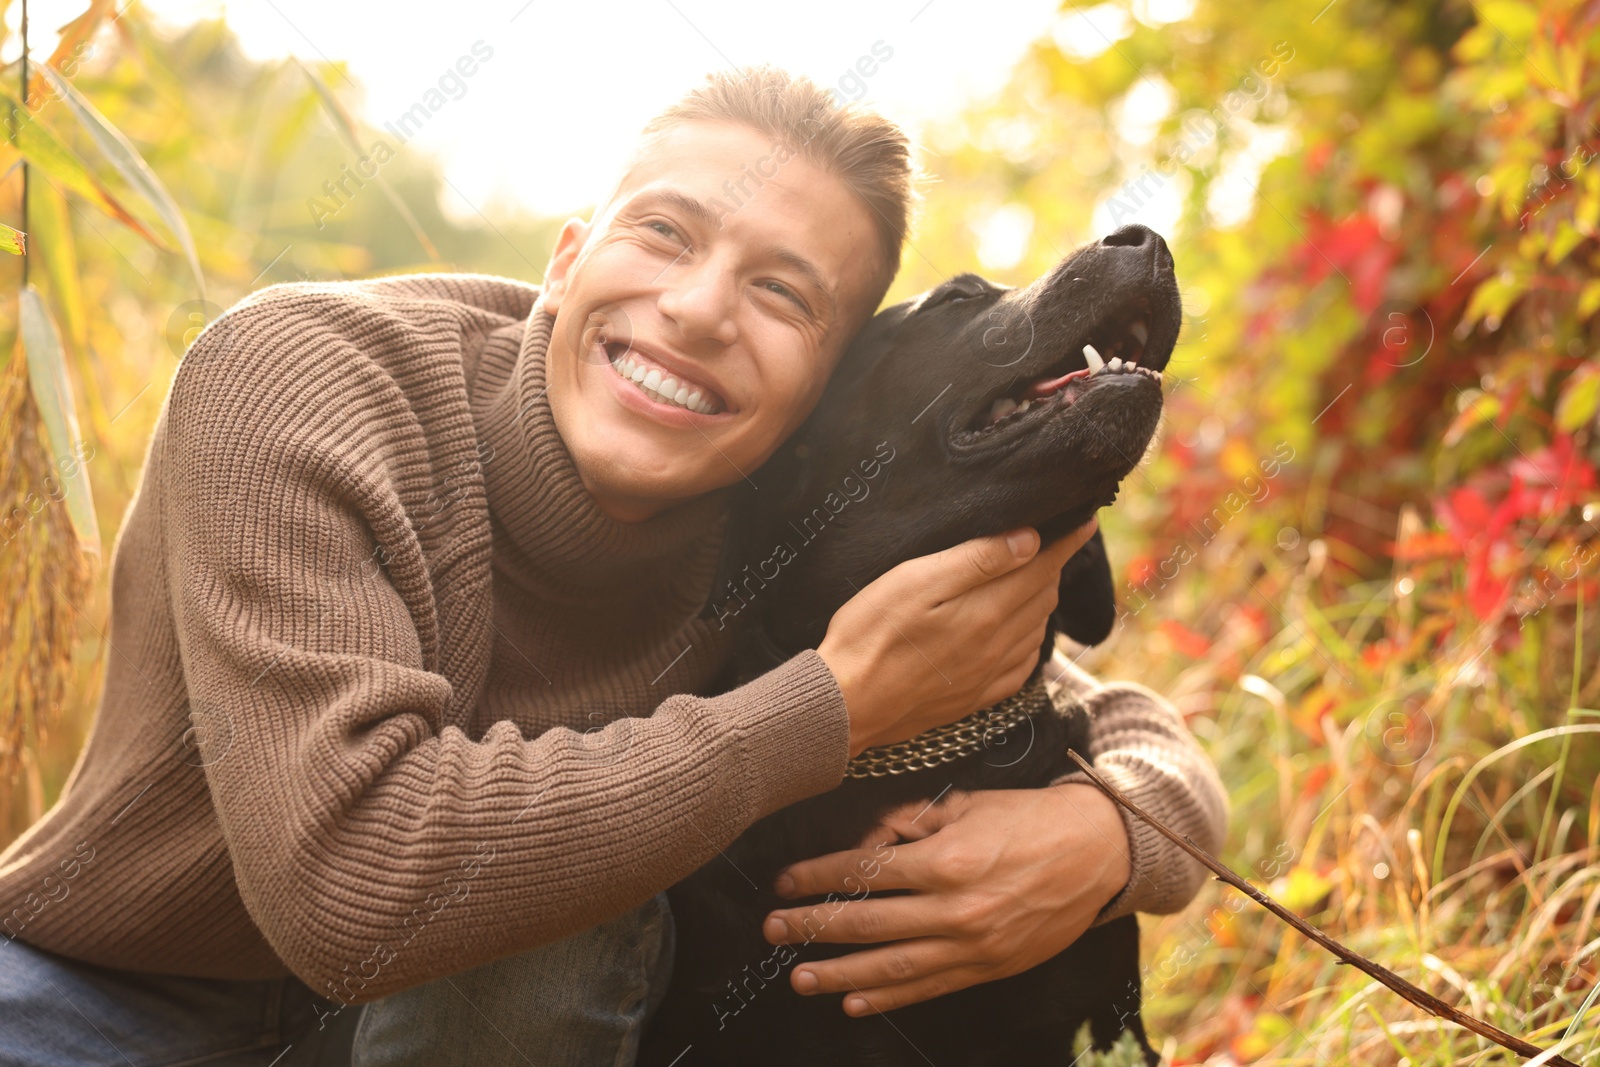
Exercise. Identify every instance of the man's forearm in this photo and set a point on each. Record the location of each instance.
(1139, 742)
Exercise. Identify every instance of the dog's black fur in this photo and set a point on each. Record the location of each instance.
(950, 353)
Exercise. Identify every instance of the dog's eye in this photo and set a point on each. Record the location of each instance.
(950, 295)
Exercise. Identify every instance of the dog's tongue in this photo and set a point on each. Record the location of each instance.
(1044, 387)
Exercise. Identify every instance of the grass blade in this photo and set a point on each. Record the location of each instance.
(134, 170)
(45, 150)
(52, 392)
(347, 130)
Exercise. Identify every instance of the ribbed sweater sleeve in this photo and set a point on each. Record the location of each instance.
(374, 845)
(1138, 742)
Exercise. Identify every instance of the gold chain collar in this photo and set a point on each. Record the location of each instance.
(942, 744)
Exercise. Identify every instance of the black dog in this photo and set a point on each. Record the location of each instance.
(964, 412)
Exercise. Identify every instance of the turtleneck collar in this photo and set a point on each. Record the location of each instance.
(559, 539)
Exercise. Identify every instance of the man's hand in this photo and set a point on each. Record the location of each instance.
(975, 613)
(1002, 880)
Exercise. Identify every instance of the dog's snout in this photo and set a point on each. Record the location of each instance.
(1131, 236)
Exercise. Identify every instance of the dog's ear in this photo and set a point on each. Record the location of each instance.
(1087, 605)
(753, 506)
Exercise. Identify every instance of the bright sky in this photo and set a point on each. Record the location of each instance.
(547, 118)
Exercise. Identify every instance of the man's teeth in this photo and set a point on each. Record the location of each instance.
(662, 387)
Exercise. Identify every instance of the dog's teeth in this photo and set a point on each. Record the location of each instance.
(1001, 408)
(1022, 407)
(1115, 365)
(1096, 364)
(1140, 332)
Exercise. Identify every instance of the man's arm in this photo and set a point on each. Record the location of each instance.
(970, 858)
(374, 844)
(1139, 743)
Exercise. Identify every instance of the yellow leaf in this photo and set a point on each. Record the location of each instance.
(1301, 890)
(1579, 398)
(1588, 299)
(1480, 408)
(1493, 297)
(1566, 239)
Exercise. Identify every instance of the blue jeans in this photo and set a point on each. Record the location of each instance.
(582, 1000)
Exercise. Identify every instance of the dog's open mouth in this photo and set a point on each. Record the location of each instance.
(1113, 348)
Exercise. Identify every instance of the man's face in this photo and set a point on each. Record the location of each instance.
(746, 296)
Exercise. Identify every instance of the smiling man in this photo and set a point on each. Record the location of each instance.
(401, 721)
(755, 300)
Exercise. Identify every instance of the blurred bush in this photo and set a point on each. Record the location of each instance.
(1359, 557)
(122, 115)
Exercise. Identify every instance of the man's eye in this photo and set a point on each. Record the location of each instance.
(783, 291)
(665, 229)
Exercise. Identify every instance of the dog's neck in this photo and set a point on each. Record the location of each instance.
(968, 735)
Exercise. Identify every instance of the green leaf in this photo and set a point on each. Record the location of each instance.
(53, 241)
(134, 170)
(44, 149)
(13, 241)
(52, 392)
(52, 238)
(1579, 398)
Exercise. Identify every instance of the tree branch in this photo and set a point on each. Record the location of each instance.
(1421, 998)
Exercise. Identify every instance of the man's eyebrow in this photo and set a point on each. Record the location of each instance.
(807, 270)
(695, 209)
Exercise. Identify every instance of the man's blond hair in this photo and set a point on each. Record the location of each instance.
(870, 153)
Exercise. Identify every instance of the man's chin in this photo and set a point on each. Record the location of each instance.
(627, 482)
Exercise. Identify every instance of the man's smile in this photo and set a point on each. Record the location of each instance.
(721, 323)
(664, 378)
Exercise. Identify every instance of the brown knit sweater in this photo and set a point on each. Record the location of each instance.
(388, 696)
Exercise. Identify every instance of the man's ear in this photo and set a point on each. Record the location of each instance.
(573, 235)
(1087, 605)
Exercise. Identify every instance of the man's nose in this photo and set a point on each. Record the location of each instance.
(701, 296)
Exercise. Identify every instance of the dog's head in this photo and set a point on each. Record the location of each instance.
(971, 409)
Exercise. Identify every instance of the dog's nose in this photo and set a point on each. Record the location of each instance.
(1131, 236)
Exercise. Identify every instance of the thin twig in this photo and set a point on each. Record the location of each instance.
(1421, 998)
